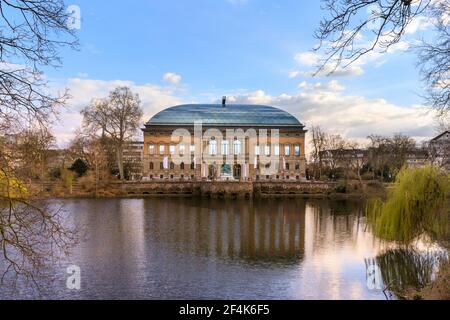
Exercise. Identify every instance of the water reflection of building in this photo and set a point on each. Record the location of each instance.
(231, 229)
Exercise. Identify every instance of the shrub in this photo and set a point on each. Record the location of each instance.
(79, 167)
(341, 189)
(55, 173)
(87, 183)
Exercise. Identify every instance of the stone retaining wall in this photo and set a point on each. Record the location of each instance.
(224, 189)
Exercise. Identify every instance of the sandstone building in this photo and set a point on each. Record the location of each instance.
(230, 142)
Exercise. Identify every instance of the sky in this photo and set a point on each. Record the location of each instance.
(253, 51)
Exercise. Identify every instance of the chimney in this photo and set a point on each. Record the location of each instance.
(224, 101)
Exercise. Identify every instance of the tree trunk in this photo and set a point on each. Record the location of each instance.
(120, 161)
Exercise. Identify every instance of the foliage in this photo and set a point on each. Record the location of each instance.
(67, 176)
(79, 167)
(55, 173)
(341, 189)
(11, 187)
(417, 205)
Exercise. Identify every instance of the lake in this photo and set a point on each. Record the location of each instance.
(183, 248)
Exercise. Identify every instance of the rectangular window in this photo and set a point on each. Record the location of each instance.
(267, 150)
(192, 148)
(297, 150)
(277, 150)
(225, 148)
(237, 147)
(182, 149)
(287, 150)
(162, 149)
(213, 148)
(256, 150)
(151, 149)
(172, 150)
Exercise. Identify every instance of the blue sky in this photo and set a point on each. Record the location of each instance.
(254, 51)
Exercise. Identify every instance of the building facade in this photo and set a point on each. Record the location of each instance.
(133, 153)
(440, 150)
(228, 142)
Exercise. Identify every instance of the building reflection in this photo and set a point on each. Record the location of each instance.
(259, 231)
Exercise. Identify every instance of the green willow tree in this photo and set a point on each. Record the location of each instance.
(419, 204)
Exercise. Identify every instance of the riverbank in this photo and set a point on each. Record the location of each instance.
(208, 189)
(437, 290)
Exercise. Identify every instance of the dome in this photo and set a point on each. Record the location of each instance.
(228, 115)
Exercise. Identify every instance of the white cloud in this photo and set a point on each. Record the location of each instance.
(307, 58)
(329, 71)
(309, 61)
(172, 78)
(294, 74)
(354, 117)
(320, 103)
(420, 23)
(154, 99)
(83, 75)
(333, 86)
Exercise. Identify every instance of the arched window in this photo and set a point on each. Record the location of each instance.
(237, 147)
(161, 166)
(297, 166)
(172, 166)
(152, 166)
(182, 166)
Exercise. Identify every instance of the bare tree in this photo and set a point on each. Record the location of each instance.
(32, 150)
(31, 34)
(357, 159)
(319, 146)
(387, 20)
(117, 117)
(434, 60)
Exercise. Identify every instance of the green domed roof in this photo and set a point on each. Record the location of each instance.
(230, 114)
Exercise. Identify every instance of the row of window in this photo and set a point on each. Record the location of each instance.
(258, 178)
(225, 149)
(192, 166)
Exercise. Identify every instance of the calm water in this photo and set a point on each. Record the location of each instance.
(218, 249)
